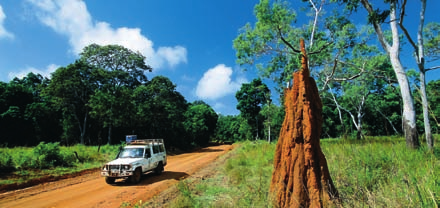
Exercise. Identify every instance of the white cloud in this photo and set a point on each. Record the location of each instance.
(71, 18)
(3, 32)
(45, 72)
(217, 83)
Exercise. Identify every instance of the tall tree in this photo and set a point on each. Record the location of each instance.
(376, 17)
(44, 116)
(71, 88)
(251, 97)
(119, 70)
(160, 110)
(200, 122)
(15, 128)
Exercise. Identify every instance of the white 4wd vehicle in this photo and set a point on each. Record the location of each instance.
(138, 157)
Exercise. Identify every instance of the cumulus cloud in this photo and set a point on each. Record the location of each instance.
(3, 32)
(44, 72)
(217, 83)
(71, 18)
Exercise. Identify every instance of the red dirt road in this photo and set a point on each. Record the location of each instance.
(90, 190)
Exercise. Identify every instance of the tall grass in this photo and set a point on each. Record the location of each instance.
(383, 172)
(375, 172)
(24, 163)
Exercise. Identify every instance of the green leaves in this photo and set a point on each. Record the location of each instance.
(200, 122)
(250, 98)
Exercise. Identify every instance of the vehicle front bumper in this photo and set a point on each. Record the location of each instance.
(118, 173)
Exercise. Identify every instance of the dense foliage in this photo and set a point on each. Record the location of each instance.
(103, 94)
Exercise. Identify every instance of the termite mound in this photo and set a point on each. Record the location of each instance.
(301, 177)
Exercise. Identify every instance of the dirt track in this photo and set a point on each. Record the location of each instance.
(90, 190)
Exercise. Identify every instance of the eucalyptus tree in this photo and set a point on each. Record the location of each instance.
(118, 71)
(269, 44)
(339, 51)
(394, 12)
(251, 97)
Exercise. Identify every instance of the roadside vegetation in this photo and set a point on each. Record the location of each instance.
(374, 172)
(22, 164)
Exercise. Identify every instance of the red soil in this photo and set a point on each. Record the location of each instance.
(90, 189)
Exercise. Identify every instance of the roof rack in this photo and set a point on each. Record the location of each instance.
(145, 141)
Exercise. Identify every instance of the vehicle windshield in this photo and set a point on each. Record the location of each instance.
(131, 153)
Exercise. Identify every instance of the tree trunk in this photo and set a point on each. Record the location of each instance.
(109, 141)
(428, 134)
(409, 113)
(301, 177)
(421, 64)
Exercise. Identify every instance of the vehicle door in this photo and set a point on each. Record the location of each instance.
(146, 165)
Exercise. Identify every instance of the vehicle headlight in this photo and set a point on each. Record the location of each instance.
(126, 167)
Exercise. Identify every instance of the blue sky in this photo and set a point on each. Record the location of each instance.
(189, 42)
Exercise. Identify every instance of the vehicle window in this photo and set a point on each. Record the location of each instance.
(131, 152)
(155, 149)
(162, 149)
(147, 153)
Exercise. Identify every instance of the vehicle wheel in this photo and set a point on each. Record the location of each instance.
(136, 177)
(159, 169)
(110, 180)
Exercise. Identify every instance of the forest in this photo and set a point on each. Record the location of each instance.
(106, 93)
(82, 103)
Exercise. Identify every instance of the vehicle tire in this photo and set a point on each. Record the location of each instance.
(110, 180)
(159, 169)
(136, 177)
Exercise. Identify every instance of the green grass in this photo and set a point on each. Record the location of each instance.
(376, 172)
(21, 164)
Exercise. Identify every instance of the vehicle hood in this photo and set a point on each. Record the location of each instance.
(125, 161)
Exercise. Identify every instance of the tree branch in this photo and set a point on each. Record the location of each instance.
(432, 68)
(362, 70)
(287, 43)
(405, 31)
(376, 26)
(315, 21)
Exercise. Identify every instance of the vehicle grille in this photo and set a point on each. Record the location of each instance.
(117, 167)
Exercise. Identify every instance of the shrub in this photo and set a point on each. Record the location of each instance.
(6, 163)
(48, 155)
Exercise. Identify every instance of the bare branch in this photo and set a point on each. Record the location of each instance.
(389, 121)
(405, 31)
(432, 68)
(286, 42)
(315, 21)
(362, 71)
(328, 78)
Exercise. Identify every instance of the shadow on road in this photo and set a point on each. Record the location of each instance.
(151, 178)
